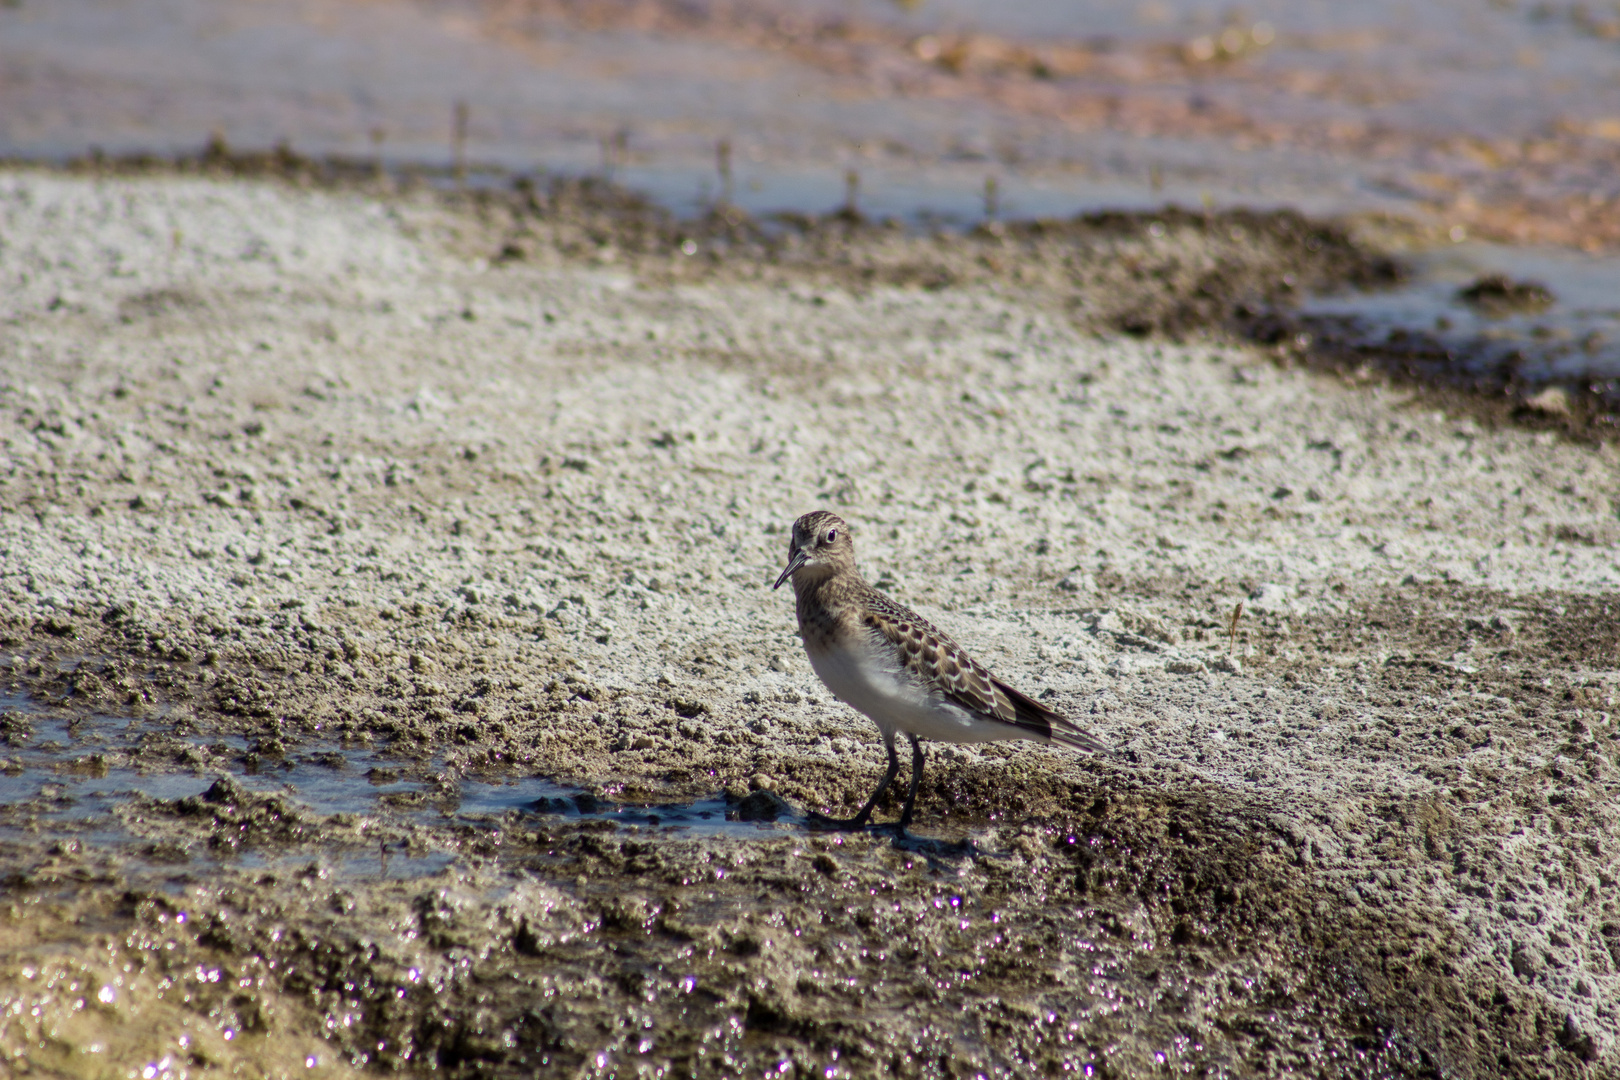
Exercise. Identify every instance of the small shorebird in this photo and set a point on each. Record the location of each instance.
(893, 665)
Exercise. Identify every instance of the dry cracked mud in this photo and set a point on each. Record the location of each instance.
(393, 681)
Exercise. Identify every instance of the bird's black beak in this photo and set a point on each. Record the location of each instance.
(797, 560)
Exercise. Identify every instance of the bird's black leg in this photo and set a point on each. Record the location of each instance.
(860, 819)
(916, 778)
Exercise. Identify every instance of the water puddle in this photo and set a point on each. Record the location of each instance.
(1490, 317)
(720, 815)
(73, 774)
(952, 196)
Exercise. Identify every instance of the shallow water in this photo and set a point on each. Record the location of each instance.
(73, 773)
(1574, 340)
(557, 86)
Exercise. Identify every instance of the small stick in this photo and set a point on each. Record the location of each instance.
(615, 151)
(722, 155)
(458, 142)
(1237, 613)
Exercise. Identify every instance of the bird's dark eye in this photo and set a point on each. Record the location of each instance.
(832, 534)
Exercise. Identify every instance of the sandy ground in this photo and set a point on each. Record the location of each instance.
(502, 498)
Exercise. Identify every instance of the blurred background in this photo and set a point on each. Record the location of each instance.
(1479, 122)
(1499, 116)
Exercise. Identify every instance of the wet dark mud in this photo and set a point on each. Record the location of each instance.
(1496, 294)
(384, 601)
(1112, 923)
(1482, 377)
(1124, 932)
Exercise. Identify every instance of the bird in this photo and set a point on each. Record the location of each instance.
(884, 660)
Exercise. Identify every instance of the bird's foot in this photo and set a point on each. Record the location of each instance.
(897, 829)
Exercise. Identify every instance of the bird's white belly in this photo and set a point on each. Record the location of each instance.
(866, 680)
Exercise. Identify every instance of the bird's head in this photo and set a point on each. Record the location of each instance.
(818, 546)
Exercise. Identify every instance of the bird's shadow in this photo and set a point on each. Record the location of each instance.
(940, 854)
(766, 808)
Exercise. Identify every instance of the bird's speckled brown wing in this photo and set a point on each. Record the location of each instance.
(941, 663)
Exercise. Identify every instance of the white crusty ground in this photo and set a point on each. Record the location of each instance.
(218, 397)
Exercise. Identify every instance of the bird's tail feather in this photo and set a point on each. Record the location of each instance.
(1037, 719)
(1077, 739)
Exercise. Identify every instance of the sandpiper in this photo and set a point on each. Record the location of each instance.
(890, 663)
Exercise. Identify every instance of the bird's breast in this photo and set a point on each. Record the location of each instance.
(865, 677)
